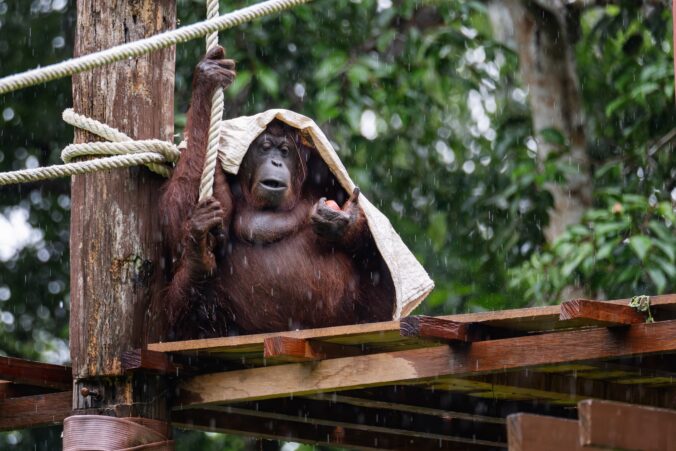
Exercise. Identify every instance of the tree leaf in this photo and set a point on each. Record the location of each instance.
(605, 250)
(609, 228)
(668, 268)
(583, 252)
(658, 279)
(242, 80)
(640, 244)
(268, 80)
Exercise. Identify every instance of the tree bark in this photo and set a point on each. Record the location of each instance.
(115, 238)
(544, 42)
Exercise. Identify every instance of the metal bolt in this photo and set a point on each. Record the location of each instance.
(85, 392)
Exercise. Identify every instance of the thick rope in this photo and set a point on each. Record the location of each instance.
(98, 432)
(122, 152)
(217, 105)
(144, 46)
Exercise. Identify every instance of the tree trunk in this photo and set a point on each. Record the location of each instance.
(115, 238)
(542, 32)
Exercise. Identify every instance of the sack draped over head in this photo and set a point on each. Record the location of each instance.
(411, 282)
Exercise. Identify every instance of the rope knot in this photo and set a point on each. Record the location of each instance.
(120, 152)
(154, 153)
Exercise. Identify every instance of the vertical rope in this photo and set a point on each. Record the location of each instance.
(207, 182)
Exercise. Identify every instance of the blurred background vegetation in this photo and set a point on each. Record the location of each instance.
(438, 123)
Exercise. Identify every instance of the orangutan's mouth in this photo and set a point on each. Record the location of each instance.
(273, 184)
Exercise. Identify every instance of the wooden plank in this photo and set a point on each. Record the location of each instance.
(625, 426)
(429, 327)
(277, 429)
(288, 349)
(418, 365)
(322, 413)
(32, 411)
(151, 361)
(378, 332)
(524, 320)
(528, 432)
(441, 329)
(35, 373)
(11, 390)
(419, 400)
(357, 398)
(560, 388)
(601, 313)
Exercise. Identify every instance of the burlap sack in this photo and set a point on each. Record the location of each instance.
(410, 279)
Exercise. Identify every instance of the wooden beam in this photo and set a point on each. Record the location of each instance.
(354, 398)
(116, 258)
(38, 374)
(601, 313)
(151, 361)
(277, 429)
(562, 388)
(528, 432)
(617, 425)
(429, 327)
(32, 411)
(375, 421)
(418, 400)
(11, 390)
(289, 349)
(441, 329)
(380, 335)
(383, 331)
(417, 365)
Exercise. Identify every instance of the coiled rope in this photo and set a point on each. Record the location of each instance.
(122, 151)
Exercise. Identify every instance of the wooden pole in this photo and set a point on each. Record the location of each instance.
(115, 231)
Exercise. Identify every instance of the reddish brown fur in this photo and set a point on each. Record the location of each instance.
(295, 279)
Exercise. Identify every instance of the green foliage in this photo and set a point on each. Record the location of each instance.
(34, 280)
(628, 82)
(627, 246)
(426, 112)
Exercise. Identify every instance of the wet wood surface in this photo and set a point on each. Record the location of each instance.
(115, 239)
(310, 433)
(36, 410)
(386, 336)
(151, 361)
(419, 365)
(601, 313)
(114, 234)
(38, 374)
(288, 349)
(528, 432)
(615, 425)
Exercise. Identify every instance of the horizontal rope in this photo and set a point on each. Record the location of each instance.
(143, 46)
(80, 167)
(123, 152)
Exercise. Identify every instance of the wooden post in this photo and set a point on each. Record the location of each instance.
(115, 232)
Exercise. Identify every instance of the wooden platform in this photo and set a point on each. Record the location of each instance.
(428, 383)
